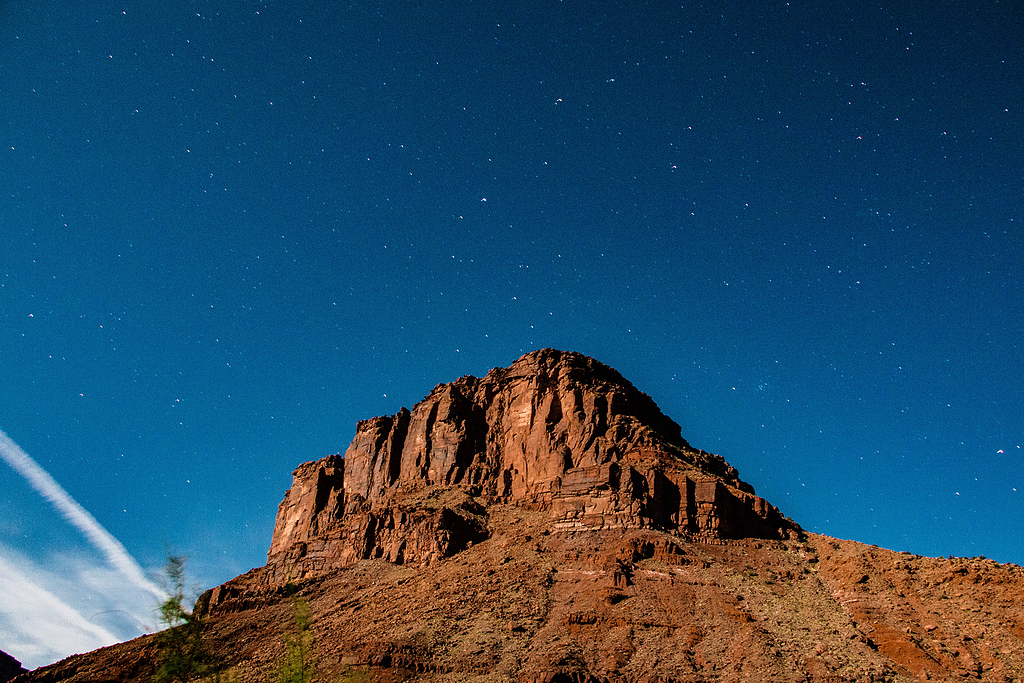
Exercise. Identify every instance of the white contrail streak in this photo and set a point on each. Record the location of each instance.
(42, 482)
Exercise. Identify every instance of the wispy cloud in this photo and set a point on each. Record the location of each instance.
(102, 539)
(69, 602)
(45, 616)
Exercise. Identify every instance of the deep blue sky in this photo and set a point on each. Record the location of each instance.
(230, 230)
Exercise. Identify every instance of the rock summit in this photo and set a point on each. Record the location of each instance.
(556, 432)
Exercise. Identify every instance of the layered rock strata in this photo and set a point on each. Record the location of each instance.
(555, 432)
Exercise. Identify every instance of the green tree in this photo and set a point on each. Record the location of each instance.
(298, 664)
(182, 655)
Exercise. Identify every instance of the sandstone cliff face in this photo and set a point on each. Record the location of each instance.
(555, 432)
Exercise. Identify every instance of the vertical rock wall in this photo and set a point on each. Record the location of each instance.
(555, 431)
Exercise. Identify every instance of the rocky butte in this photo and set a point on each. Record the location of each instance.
(547, 522)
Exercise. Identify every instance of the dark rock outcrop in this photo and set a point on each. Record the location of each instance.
(9, 667)
(556, 432)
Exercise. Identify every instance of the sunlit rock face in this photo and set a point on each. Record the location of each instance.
(555, 432)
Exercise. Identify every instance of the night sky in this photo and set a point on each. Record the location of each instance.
(230, 230)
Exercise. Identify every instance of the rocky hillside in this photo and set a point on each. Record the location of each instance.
(548, 523)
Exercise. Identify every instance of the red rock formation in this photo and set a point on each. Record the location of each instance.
(586, 541)
(557, 432)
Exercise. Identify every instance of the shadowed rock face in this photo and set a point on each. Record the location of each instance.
(555, 432)
(9, 667)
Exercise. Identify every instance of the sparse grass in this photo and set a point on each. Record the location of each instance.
(353, 674)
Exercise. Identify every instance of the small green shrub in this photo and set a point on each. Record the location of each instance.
(182, 655)
(298, 664)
